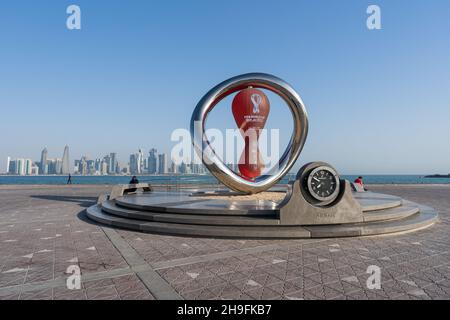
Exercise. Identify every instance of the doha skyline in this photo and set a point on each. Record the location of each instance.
(45, 165)
(109, 164)
(378, 101)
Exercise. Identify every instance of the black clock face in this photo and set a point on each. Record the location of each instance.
(323, 184)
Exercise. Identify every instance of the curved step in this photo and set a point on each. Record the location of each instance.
(111, 208)
(424, 218)
(373, 202)
(401, 212)
(200, 206)
(183, 203)
(95, 213)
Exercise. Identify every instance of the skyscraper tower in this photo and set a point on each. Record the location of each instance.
(107, 160)
(140, 161)
(162, 163)
(152, 161)
(21, 167)
(44, 167)
(134, 163)
(8, 162)
(113, 163)
(65, 168)
(28, 166)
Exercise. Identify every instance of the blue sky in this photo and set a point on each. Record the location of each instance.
(378, 101)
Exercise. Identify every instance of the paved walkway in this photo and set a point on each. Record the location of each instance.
(43, 231)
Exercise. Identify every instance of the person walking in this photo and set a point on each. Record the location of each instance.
(69, 179)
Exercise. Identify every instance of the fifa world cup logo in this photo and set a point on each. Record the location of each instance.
(250, 110)
(256, 100)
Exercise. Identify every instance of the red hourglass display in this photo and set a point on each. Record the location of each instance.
(250, 110)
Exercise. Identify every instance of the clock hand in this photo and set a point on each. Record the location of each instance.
(316, 179)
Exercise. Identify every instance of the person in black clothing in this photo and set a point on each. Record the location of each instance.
(69, 179)
(133, 180)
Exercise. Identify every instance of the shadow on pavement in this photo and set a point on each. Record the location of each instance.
(83, 217)
(82, 201)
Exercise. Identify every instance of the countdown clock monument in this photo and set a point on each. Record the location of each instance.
(252, 204)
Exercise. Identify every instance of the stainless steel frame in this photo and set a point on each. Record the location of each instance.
(215, 165)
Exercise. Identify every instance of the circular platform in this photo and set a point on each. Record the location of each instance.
(225, 214)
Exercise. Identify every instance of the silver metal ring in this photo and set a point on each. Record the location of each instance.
(215, 165)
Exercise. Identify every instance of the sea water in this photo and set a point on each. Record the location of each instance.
(201, 179)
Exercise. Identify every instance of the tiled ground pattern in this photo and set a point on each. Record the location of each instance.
(43, 230)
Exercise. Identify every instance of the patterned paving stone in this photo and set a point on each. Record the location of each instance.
(13, 296)
(43, 232)
(102, 293)
(46, 294)
(66, 294)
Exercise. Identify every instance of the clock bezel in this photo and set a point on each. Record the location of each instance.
(332, 196)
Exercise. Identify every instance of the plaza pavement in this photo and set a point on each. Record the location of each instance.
(43, 231)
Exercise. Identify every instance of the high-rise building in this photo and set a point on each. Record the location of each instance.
(134, 163)
(183, 168)
(152, 161)
(140, 161)
(162, 163)
(98, 165)
(8, 162)
(113, 163)
(58, 166)
(13, 169)
(65, 165)
(44, 165)
(76, 167)
(173, 168)
(82, 166)
(104, 168)
(90, 166)
(145, 168)
(125, 169)
(21, 167)
(34, 169)
(195, 168)
(107, 160)
(51, 166)
(28, 166)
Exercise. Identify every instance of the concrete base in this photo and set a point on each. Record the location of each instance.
(295, 210)
(123, 189)
(182, 213)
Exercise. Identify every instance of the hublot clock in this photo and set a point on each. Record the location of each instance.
(323, 184)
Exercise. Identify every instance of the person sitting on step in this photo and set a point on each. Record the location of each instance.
(359, 184)
(134, 180)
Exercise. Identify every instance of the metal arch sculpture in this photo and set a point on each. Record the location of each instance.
(215, 165)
